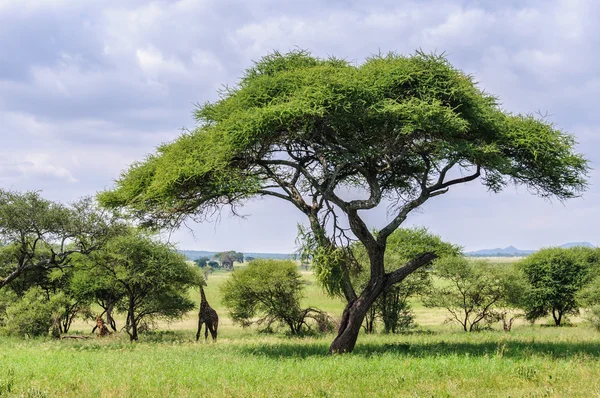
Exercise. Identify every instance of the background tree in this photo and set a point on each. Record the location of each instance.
(555, 276)
(589, 297)
(93, 282)
(228, 258)
(473, 292)
(269, 290)
(40, 235)
(399, 129)
(202, 262)
(154, 277)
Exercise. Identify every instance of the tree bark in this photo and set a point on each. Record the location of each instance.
(353, 317)
(557, 318)
(133, 334)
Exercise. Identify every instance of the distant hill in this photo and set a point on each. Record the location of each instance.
(574, 244)
(196, 254)
(512, 251)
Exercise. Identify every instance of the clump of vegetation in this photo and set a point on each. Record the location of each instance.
(555, 277)
(31, 315)
(267, 292)
(473, 292)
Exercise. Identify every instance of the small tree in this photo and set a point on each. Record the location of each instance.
(555, 276)
(202, 262)
(154, 277)
(228, 258)
(269, 290)
(472, 292)
(93, 282)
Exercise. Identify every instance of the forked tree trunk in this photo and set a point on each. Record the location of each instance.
(132, 329)
(353, 317)
(356, 310)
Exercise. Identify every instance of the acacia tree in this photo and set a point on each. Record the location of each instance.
(473, 292)
(153, 277)
(227, 258)
(301, 129)
(92, 282)
(42, 235)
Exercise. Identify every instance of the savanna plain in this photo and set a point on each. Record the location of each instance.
(436, 359)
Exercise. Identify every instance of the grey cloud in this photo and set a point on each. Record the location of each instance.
(89, 87)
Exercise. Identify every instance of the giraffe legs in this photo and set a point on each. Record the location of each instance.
(213, 329)
(199, 328)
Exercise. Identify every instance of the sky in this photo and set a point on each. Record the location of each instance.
(89, 87)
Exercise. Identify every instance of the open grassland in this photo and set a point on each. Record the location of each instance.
(527, 362)
(435, 360)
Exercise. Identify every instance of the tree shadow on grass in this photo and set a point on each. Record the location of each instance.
(503, 348)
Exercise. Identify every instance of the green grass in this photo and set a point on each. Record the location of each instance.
(436, 360)
(531, 361)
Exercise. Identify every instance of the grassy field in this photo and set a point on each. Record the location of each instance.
(436, 360)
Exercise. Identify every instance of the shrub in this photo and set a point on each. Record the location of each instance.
(267, 292)
(555, 277)
(31, 315)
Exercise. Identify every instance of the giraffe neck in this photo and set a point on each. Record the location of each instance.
(203, 301)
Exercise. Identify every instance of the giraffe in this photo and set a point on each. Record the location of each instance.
(208, 317)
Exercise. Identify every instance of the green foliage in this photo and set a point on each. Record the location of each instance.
(202, 262)
(473, 292)
(555, 276)
(268, 289)
(407, 113)
(153, 276)
(30, 315)
(39, 235)
(329, 263)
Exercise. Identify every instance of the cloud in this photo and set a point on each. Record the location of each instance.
(88, 87)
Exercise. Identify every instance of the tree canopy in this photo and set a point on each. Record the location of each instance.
(399, 129)
(152, 278)
(40, 235)
(556, 276)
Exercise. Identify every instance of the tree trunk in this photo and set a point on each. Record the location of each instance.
(109, 318)
(133, 334)
(557, 318)
(353, 317)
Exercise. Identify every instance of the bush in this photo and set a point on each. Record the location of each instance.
(473, 292)
(556, 276)
(267, 292)
(30, 316)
